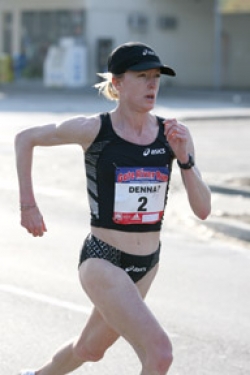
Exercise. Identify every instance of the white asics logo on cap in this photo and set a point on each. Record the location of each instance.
(148, 52)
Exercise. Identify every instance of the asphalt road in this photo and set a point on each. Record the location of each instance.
(201, 294)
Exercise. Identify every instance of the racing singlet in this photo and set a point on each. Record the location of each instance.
(127, 183)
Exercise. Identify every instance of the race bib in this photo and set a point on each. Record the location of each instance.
(140, 194)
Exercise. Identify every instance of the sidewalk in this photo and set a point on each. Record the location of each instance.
(231, 209)
(188, 104)
(230, 216)
(206, 104)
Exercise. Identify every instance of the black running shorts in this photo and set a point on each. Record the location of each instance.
(136, 266)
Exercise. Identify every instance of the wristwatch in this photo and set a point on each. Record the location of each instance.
(187, 165)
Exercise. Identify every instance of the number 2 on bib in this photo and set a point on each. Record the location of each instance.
(140, 195)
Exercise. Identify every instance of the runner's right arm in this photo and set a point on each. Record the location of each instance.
(80, 130)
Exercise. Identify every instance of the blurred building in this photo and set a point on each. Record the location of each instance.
(235, 46)
(182, 32)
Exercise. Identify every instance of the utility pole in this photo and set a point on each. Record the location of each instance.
(217, 45)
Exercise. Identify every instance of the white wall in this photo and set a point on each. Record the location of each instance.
(188, 48)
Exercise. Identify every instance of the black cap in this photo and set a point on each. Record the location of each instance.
(136, 56)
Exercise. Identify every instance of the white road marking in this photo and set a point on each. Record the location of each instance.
(43, 298)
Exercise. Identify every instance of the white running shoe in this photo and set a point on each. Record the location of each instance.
(27, 372)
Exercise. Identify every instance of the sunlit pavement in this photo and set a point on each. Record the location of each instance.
(201, 294)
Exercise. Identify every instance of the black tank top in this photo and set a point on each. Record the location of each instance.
(127, 183)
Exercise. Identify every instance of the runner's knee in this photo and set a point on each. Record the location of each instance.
(160, 357)
(88, 354)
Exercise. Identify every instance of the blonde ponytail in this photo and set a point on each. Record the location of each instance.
(106, 88)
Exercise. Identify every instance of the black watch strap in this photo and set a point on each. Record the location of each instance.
(187, 165)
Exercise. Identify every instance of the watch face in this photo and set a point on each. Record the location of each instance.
(187, 165)
(191, 160)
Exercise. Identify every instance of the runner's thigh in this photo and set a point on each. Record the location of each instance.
(119, 300)
(98, 335)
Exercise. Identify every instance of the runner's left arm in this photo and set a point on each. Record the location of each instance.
(198, 192)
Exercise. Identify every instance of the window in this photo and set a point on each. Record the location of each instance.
(43, 28)
(7, 32)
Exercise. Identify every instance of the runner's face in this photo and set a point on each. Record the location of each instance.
(140, 89)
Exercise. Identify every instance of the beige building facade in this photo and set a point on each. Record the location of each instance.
(182, 32)
(236, 51)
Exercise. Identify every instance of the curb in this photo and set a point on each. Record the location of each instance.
(209, 116)
(230, 228)
(230, 190)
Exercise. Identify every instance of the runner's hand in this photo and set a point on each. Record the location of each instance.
(32, 220)
(179, 139)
